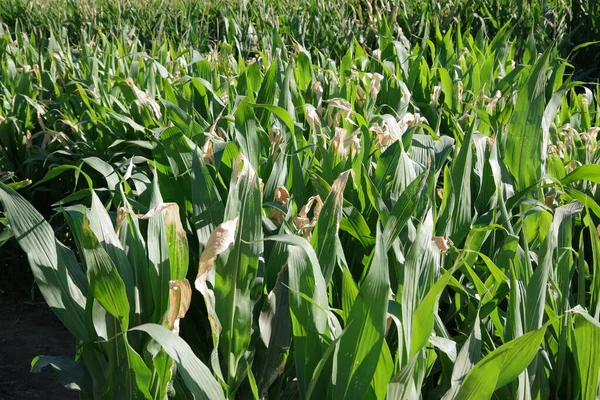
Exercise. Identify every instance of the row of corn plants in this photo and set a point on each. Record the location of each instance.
(319, 26)
(418, 221)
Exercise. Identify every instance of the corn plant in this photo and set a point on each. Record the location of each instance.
(123, 284)
(418, 220)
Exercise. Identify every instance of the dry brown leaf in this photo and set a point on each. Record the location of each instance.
(440, 193)
(219, 240)
(312, 118)
(171, 215)
(442, 244)
(302, 222)
(318, 91)
(144, 98)
(437, 91)
(29, 140)
(121, 213)
(388, 323)
(339, 185)
(180, 296)
(344, 143)
(207, 152)
(282, 196)
(549, 200)
(336, 108)
(375, 85)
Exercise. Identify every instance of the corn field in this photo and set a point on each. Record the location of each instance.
(261, 200)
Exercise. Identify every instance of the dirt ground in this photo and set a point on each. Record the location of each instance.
(28, 329)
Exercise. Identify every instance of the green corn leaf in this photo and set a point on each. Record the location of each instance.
(417, 258)
(359, 350)
(196, 375)
(101, 225)
(158, 253)
(448, 89)
(309, 319)
(423, 319)
(176, 243)
(207, 205)
(466, 360)
(71, 373)
(537, 287)
(586, 344)
(461, 182)
(266, 94)
(234, 280)
(403, 210)
(524, 154)
(402, 385)
(247, 133)
(276, 334)
(134, 246)
(106, 285)
(326, 230)
(589, 172)
(60, 279)
(501, 366)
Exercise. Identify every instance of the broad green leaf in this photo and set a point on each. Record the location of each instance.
(417, 259)
(158, 252)
(589, 172)
(309, 318)
(423, 319)
(466, 360)
(247, 132)
(524, 155)
(501, 366)
(206, 201)
(106, 285)
(586, 335)
(71, 373)
(537, 287)
(60, 279)
(235, 278)
(359, 350)
(326, 230)
(196, 375)
(403, 210)
(276, 334)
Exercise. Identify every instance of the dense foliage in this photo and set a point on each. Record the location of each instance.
(310, 204)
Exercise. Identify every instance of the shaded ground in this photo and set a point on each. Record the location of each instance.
(27, 329)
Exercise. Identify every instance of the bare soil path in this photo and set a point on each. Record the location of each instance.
(28, 329)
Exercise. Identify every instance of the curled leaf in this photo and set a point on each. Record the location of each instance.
(219, 240)
(318, 91)
(442, 243)
(437, 91)
(282, 196)
(375, 85)
(344, 143)
(180, 296)
(302, 222)
(492, 101)
(549, 200)
(207, 152)
(129, 171)
(312, 118)
(144, 98)
(336, 108)
(121, 214)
